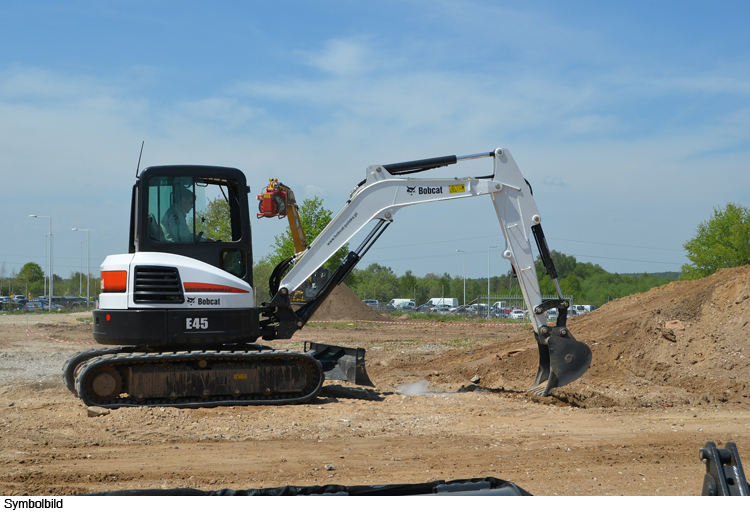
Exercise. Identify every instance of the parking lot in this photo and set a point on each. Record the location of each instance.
(41, 304)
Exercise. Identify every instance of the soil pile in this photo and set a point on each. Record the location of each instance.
(682, 343)
(689, 336)
(343, 304)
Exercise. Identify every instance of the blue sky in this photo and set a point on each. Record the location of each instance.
(630, 120)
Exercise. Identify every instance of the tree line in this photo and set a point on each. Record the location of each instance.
(587, 283)
(30, 280)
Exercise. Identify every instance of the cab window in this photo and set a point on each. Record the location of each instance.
(188, 210)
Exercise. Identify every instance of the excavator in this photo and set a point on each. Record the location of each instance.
(180, 307)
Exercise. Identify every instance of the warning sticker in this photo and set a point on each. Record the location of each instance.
(457, 188)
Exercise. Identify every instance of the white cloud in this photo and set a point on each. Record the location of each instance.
(33, 84)
(554, 181)
(341, 58)
(217, 109)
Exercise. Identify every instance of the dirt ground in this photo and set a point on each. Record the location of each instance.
(670, 372)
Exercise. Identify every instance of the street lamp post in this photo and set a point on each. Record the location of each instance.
(80, 273)
(88, 261)
(51, 277)
(488, 279)
(464, 252)
(46, 267)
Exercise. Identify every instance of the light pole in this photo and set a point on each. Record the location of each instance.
(80, 273)
(88, 261)
(464, 252)
(51, 277)
(488, 279)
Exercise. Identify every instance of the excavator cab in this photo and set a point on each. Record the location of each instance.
(200, 212)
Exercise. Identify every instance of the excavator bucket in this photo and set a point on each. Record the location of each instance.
(340, 363)
(562, 359)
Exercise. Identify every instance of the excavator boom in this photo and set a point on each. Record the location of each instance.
(386, 190)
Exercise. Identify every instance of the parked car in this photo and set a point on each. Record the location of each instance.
(8, 305)
(498, 313)
(476, 309)
(76, 302)
(32, 305)
(55, 307)
(518, 314)
(368, 301)
(582, 309)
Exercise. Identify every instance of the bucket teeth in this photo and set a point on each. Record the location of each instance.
(540, 390)
(562, 360)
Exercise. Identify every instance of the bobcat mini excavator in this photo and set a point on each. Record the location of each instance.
(182, 310)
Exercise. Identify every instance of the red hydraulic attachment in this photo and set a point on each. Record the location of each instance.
(273, 200)
(278, 201)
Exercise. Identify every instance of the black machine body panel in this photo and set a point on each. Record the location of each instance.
(164, 328)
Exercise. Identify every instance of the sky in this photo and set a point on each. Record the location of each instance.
(631, 120)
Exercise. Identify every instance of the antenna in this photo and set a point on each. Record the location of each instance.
(138, 167)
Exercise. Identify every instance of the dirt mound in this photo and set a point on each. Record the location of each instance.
(682, 343)
(686, 335)
(343, 304)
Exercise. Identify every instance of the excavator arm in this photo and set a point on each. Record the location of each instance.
(386, 190)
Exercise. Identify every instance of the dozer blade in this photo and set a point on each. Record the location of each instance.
(562, 360)
(340, 363)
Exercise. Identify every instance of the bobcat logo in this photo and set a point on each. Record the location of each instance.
(411, 190)
(190, 300)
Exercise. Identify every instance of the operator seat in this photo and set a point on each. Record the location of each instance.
(154, 229)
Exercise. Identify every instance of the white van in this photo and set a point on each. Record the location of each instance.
(402, 303)
(579, 309)
(450, 302)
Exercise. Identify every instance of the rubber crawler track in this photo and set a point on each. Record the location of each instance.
(69, 369)
(123, 358)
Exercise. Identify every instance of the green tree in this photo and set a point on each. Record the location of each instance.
(30, 272)
(376, 281)
(75, 285)
(261, 273)
(407, 284)
(720, 242)
(30, 279)
(216, 220)
(571, 285)
(566, 265)
(4, 283)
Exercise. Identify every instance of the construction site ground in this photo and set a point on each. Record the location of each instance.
(670, 371)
